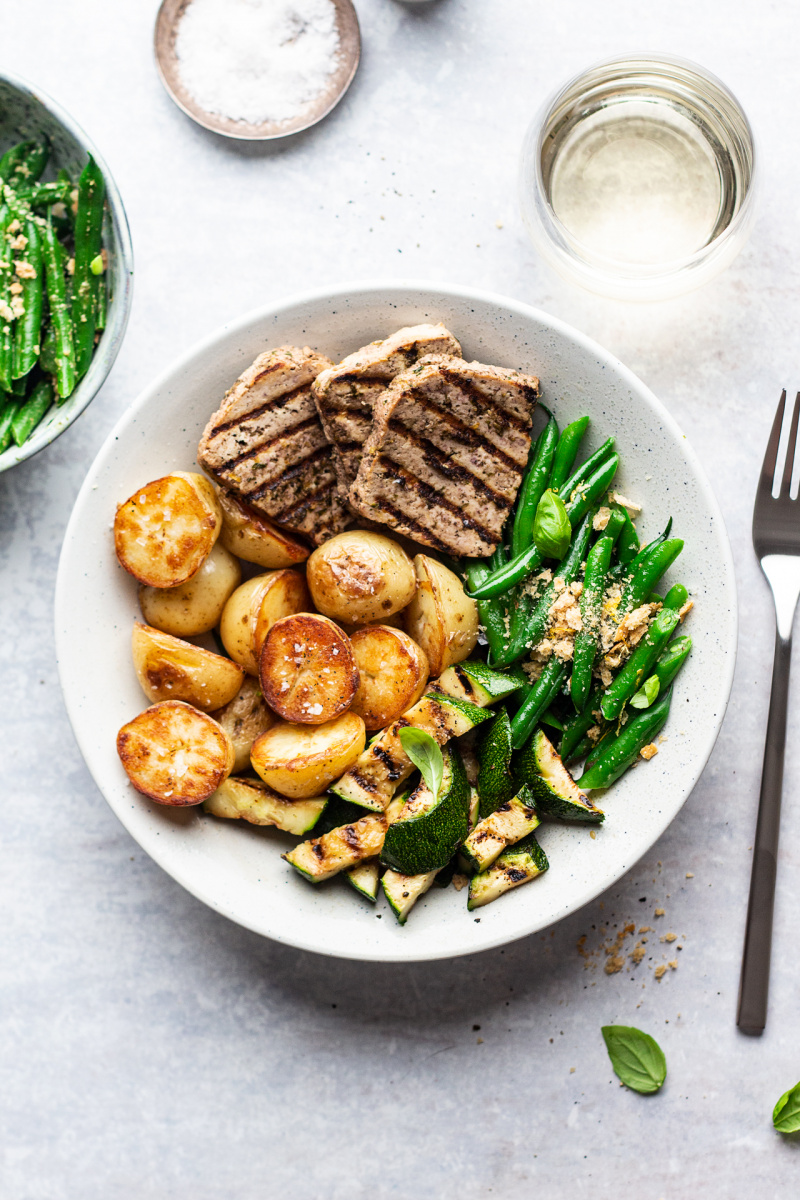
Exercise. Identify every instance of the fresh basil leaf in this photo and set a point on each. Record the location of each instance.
(426, 754)
(646, 693)
(637, 1059)
(786, 1114)
(552, 531)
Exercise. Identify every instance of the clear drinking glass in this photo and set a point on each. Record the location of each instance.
(638, 178)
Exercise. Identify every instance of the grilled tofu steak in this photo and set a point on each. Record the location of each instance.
(266, 444)
(449, 444)
(346, 394)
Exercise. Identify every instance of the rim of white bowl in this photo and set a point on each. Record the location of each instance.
(119, 308)
(88, 747)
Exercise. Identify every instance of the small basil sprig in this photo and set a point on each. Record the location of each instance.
(786, 1114)
(647, 693)
(426, 754)
(552, 531)
(637, 1059)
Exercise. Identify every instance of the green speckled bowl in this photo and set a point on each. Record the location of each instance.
(25, 112)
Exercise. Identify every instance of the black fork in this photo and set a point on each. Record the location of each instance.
(776, 538)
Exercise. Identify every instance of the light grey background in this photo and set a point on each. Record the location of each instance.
(150, 1049)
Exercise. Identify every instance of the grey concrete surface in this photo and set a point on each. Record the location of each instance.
(149, 1050)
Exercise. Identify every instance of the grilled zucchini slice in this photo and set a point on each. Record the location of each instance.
(403, 891)
(251, 800)
(515, 866)
(510, 823)
(342, 848)
(554, 791)
(428, 830)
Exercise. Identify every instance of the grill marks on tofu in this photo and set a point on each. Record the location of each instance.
(346, 394)
(266, 444)
(449, 444)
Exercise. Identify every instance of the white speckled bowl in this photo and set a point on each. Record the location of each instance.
(237, 869)
(25, 112)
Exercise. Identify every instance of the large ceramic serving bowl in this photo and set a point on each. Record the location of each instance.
(237, 869)
(27, 112)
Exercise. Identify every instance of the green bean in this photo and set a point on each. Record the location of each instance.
(628, 544)
(614, 526)
(643, 555)
(584, 747)
(43, 194)
(576, 728)
(676, 597)
(672, 660)
(534, 485)
(24, 163)
(623, 750)
(639, 586)
(567, 452)
(28, 329)
(586, 469)
(590, 494)
(587, 639)
(6, 319)
(490, 612)
(529, 627)
(60, 316)
(537, 700)
(639, 665)
(502, 581)
(88, 235)
(7, 413)
(499, 558)
(31, 412)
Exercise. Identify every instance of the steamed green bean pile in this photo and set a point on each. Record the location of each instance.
(53, 295)
(604, 690)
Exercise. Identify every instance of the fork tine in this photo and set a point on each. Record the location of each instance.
(771, 454)
(790, 449)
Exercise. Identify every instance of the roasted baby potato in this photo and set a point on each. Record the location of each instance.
(195, 606)
(302, 760)
(165, 531)
(254, 608)
(307, 670)
(170, 669)
(249, 535)
(251, 800)
(393, 671)
(175, 754)
(441, 618)
(243, 719)
(360, 577)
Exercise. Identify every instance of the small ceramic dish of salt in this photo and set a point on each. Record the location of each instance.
(257, 69)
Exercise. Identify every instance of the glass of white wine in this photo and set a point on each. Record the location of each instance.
(638, 178)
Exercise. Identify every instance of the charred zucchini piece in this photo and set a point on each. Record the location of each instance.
(555, 792)
(509, 823)
(345, 847)
(515, 866)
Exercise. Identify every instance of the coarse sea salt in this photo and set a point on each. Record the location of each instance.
(257, 60)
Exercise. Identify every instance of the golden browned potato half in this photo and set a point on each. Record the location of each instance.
(393, 671)
(308, 672)
(441, 618)
(249, 535)
(165, 531)
(244, 718)
(195, 606)
(254, 608)
(170, 669)
(359, 577)
(175, 754)
(302, 760)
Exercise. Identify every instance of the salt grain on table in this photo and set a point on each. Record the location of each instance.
(257, 60)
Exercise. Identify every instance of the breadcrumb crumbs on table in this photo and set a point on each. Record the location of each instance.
(645, 929)
(660, 971)
(673, 964)
(638, 953)
(614, 964)
(648, 752)
(572, 1070)
(660, 912)
(690, 874)
(592, 834)
(669, 937)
